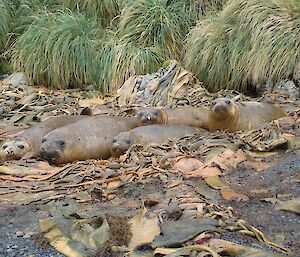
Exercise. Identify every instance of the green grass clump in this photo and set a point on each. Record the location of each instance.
(103, 10)
(201, 9)
(6, 14)
(58, 49)
(249, 42)
(132, 59)
(5, 19)
(155, 23)
(25, 10)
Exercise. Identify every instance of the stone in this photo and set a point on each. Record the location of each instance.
(16, 79)
(19, 233)
(284, 86)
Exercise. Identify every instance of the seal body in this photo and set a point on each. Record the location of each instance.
(31, 139)
(90, 139)
(227, 115)
(187, 116)
(146, 135)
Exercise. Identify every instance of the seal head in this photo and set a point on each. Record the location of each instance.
(150, 116)
(14, 149)
(121, 143)
(222, 108)
(52, 149)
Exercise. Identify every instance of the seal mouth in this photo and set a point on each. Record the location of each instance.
(220, 111)
(118, 149)
(117, 152)
(51, 157)
(147, 120)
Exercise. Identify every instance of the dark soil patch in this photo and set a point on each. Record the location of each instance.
(276, 182)
(19, 232)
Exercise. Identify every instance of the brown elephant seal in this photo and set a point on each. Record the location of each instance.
(29, 141)
(90, 139)
(187, 116)
(145, 135)
(227, 115)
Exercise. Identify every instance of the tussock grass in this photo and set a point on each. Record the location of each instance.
(154, 22)
(58, 49)
(6, 15)
(204, 8)
(25, 11)
(248, 43)
(64, 49)
(132, 59)
(5, 19)
(102, 10)
(118, 60)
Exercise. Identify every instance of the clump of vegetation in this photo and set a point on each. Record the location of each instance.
(155, 23)
(58, 49)
(25, 10)
(5, 21)
(249, 42)
(102, 10)
(201, 9)
(132, 59)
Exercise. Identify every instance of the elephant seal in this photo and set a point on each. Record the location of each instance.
(187, 116)
(227, 115)
(90, 139)
(145, 135)
(29, 141)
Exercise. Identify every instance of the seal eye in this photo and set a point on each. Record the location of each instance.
(43, 140)
(114, 140)
(127, 141)
(140, 114)
(61, 143)
(21, 146)
(4, 146)
(228, 102)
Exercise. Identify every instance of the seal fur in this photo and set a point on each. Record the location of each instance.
(227, 115)
(147, 135)
(31, 139)
(90, 139)
(187, 116)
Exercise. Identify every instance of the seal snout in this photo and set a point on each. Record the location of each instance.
(51, 149)
(8, 151)
(120, 144)
(49, 155)
(222, 106)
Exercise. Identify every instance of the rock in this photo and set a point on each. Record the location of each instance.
(16, 79)
(19, 233)
(28, 235)
(284, 86)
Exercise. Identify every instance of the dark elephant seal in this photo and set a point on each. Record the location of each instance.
(147, 135)
(31, 139)
(90, 139)
(227, 115)
(187, 116)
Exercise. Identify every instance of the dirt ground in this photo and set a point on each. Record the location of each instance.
(146, 179)
(19, 228)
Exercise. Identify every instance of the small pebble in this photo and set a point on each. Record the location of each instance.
(28, 235)
(19, 233)
(114, 166)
